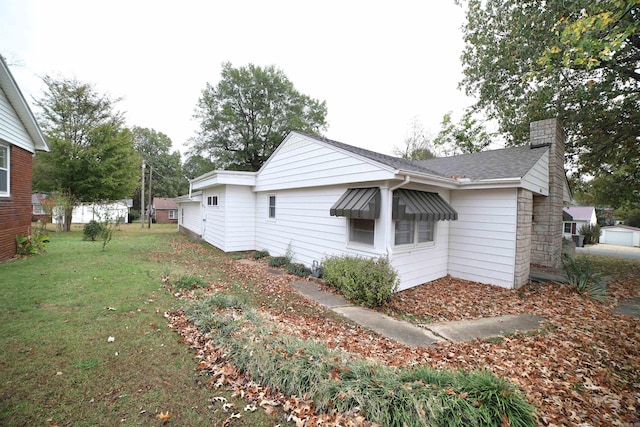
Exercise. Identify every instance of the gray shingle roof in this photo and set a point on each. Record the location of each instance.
(512, 162)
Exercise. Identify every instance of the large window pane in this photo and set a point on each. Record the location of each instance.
(3, 181)
(362, 230)
(425, 231)
(404, 232)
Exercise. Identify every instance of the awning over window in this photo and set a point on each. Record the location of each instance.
(421, 206)
(363, 203)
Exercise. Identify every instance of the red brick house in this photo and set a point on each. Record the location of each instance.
(20, 138)
(165, 210)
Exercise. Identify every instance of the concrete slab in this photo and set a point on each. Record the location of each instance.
(488, 327)
(628, 307)
(311, 290)
(397, 330)
(543, 276)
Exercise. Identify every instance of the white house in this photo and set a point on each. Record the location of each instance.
(86, 212)
(576, 217)
(620, 235)
(484, 217)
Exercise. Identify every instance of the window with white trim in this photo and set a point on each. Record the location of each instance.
(4, 170)
(173, 214)
(362, 231)
(272, 206)
(411, 232)
(212, 201)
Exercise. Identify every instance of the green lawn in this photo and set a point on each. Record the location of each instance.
(57, 312)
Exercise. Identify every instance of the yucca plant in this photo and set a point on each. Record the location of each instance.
(586, 280)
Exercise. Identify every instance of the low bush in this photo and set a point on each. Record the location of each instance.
(32, 244)
(189, 282)
(298, 270)
(277, 261)
(260, 254)
(91, 230)
(591, 233)
(583, 277)
(365, 281)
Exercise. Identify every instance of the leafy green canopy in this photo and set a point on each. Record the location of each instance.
(578, 60)
(92, 157)
(248, 113)
(155, 149)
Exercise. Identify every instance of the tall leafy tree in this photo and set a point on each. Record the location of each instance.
(467, 136)
(155, 148)
(248, 113)
(197, 165)
(578, 60)
(92, 157)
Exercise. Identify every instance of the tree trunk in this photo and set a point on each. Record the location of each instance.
(68, 213)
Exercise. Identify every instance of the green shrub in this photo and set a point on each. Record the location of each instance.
(92, 230)
(298, 269)
(277, 261)
(591, 233)
(366, 281)
(32, 244)
(189, 282)
(584, 277)
(260, 254)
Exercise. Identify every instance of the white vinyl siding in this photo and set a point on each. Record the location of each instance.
(12, 129)
(304, 162)
(305, 224)
(537, 179)
(230, 225)
(190, 216)
(482, 241)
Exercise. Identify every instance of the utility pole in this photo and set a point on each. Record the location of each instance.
(150, 176)
(142, 198)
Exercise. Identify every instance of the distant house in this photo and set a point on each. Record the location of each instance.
(86, 212)
(484, 217)
(38, 213)
(620, 235)
(574, 217)
(165, 210)
(20, 138)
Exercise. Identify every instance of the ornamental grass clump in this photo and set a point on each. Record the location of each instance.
(366, 281)
(582, 275)
(337, 382)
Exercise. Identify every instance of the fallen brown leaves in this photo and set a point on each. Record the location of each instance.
(582, 368)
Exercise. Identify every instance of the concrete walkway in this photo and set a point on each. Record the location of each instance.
(412, 335)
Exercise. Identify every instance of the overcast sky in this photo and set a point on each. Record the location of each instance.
(376, 64)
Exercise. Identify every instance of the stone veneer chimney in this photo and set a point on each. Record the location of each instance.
(546, 233)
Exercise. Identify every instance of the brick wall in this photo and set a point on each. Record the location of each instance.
(15, 211)
(546, 236)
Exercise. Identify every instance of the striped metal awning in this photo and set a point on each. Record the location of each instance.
(421, 206)
(363, 203)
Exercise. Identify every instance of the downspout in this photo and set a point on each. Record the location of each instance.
(387, 229)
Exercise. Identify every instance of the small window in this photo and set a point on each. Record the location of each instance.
(362, 231)
(409, 232)
(4, 170)
(173, 214)
(212, 201)
(272, 206)
(567, 227)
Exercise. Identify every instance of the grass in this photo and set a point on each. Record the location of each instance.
(58, 311)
